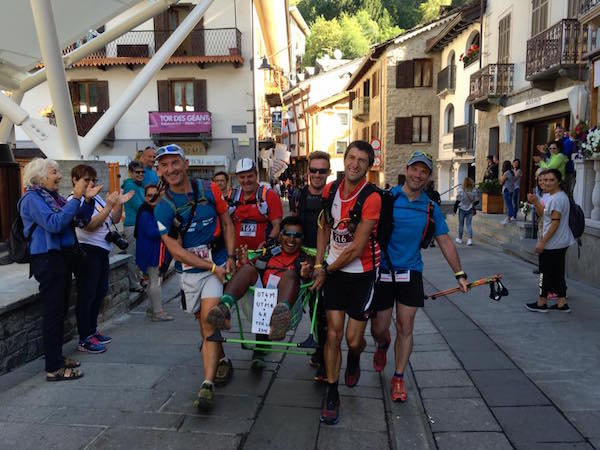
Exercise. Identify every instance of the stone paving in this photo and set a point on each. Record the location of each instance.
(483, 375)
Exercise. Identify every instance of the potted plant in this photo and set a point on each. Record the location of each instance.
(491, 197)
(471, 55)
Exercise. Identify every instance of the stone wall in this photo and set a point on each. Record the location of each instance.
(584, 267)
(21, 326)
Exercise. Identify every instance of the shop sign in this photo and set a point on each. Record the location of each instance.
(179, 122)
(208, 160)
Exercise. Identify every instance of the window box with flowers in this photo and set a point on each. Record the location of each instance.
(470, 56)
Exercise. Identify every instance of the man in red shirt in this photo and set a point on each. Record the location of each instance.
(348, 274)
(256, 210)
(283, 271)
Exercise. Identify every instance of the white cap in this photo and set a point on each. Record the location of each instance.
(244, 165)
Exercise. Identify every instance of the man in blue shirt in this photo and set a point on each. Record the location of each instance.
(568, 147)
(147, 159)
(402, 283)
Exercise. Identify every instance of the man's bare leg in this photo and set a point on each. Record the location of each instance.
(355, 337)
(405, 320)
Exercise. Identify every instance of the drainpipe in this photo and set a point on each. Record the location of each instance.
(481, 11)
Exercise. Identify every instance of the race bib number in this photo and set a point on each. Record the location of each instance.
(343, 237)
(202, 251)
(264, 303)
(402, 276)
(248, 229)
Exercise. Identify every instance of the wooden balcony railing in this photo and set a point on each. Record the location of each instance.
(493, 80)
(446, 80)
(563, 44)
(463, 138)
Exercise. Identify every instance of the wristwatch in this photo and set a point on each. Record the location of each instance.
(460, 274)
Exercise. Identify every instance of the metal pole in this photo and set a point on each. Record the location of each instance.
(43, 18)
(99, 131)
(6, 125)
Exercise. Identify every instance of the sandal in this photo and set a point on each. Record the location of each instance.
(64, 374)
(71, 363)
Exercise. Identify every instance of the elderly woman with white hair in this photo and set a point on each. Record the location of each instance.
(48, 223)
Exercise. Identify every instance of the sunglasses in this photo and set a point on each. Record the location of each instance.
(319, 171)
(172, 149)
(138, 172)
(292, 234)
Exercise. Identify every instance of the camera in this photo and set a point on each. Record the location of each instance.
(114, 237)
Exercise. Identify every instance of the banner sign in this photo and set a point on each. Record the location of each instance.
(179, 122)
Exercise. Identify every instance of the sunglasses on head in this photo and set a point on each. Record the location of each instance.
(292, 234)
(168, 149)
(319, 171)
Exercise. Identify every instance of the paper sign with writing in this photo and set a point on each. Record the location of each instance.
(264, 303)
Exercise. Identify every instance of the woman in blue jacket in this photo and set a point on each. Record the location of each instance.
(148, 251)
(133, 183)
(48, 222)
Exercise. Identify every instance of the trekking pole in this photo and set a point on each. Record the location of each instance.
(497, 289)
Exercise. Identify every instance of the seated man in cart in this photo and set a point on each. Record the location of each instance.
(283, 265)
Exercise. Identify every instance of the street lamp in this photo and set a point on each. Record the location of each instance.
(265, 64)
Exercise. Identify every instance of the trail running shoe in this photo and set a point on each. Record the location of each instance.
(205, 399)
(398, 390)
(352, 373)
(380, 356)
(564, 308)
(280, 321)
(258, 360)
(536, 308)
(224, 372)
(218, 315)
(91, 345)
(330, 413)
(102, 338)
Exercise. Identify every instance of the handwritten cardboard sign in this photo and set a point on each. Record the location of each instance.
(264, 303)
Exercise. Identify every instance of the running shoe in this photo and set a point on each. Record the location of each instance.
(102, 338)
(352, 373)
(218, 316)
(161, 316)
(320, 374)
(380, 356)
(398, 390)
(564, 308)
(258, 360)
(534, 307)
(280, 321)
(458, 241)
(330, 413)
(469, 242)
(91, 345)
(205, 399)
(224, 372)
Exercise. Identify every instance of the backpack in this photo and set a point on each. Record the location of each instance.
(260, 200)
(179, 228)
(576, 223)
(18, 243)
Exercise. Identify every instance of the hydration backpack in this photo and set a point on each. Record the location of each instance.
(18, 243)
(260, 200)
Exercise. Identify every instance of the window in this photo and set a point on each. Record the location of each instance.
(182, 95)
(573, 8)
(413, 129)
(504, 40)
(375, 130)
(539, 16)
(366, 87)
(375, 84)
(89, 96)
(422, 74)
(340, 147)
(449, 119)
(343, 119)
(414, 73)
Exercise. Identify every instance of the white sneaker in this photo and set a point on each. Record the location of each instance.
(469, 242)
(505, 221)
(458, 241)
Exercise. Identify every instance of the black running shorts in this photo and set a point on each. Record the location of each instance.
(350, 292)
(409, 293)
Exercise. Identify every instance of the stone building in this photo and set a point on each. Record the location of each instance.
(394, 99)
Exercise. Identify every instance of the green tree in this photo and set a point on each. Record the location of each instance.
(325, 36)
(430, 10)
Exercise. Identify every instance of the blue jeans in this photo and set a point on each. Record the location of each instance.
(462, 215)
(515, 200)
(508, 202)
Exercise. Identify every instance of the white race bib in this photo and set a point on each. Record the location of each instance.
(402, 276)
(248, 229)
(202, 251)
(264, 303)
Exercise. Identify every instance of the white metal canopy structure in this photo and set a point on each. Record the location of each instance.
(35, 32)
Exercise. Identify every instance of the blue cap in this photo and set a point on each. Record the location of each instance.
(422, 157)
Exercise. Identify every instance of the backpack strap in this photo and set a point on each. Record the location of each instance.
(328, 202)
(301, 201)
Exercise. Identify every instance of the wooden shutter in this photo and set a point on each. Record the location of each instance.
(404, 74)
(197, 36)
(102, 92)
(403, 132)
(200, 95)
(161, 28)
(164, 92)
(504, 40)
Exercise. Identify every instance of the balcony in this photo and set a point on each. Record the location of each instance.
(360, 109)
(85, 121)
(446, 81)
(490, 85)
(557, 52)
(589, 11)
(463, 139)
(204, 46)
